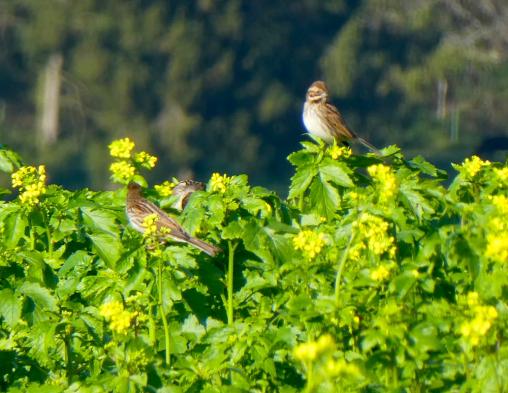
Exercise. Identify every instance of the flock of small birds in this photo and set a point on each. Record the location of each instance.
(321, 119)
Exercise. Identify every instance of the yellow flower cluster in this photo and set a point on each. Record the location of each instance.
(31, 182)
(383, 175)
(150, 225)
(501, 203)
(121, 148)
(374, 233)
(309, 242)
(219, 183)
(483, 317)
(381, 273)
(471, 166)
(497, 246)
(497, 237)
(145, 160)
(165, 189)
(119, 318)
(309, 351)
(337, 368)
(502, 174)
(122, 171)
(339, 151)
(126, 164)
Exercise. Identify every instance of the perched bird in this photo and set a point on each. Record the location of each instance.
(324, 120)
(138, 208)
(183, 190)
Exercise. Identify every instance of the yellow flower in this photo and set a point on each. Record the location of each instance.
(122, 171)
(145, 160)
(336, 368)
(150, 225)
(497, 246)
(165, 189)
(374, 232)
(119, 318)
(339, 151)
(311, 350)
(381, 273)
(31, 182)
(305, 351)
(121, 148)
(472, 298)
(383, 175)
(309, 242)
(471, 166)
(219, 183)
(324, 343)
(501, 203)
(483, 317)
(502, 174)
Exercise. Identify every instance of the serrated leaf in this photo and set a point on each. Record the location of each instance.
(14, 228)
(41, 296)
(97, 219)
(301, 180)
(9, 160)
(10, 307)
(324, 197)
(336, 172)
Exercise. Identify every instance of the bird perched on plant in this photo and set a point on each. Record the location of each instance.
(183, 190)
(139, 208)
(324, 120)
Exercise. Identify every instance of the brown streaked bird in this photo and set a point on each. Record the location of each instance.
(138, 208)
(324, 120)
(183, 190)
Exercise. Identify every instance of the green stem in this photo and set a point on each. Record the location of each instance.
(163, 316)
(342, 262)
(310, 377)
(231, 259)
(68, 355)
(300, 201)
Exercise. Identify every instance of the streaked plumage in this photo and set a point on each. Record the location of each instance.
(138, 208)
(183, 190)
(324, 120)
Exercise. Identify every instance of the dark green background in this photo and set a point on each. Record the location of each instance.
(219, 85)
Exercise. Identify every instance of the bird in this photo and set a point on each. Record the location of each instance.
(323, 119)
(138, 208)
(183, 190)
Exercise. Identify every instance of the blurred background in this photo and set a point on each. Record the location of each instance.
(211, 85)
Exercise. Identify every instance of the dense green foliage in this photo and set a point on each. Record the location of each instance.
(198, 81)
(372, 277)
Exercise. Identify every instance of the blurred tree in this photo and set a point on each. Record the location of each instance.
(219, 85)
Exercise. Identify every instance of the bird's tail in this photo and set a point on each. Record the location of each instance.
(204, 246)
(369, 146)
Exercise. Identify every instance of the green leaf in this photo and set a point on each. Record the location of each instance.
(301, 180)
(41, 296)
(97, 219)
(14, 228)
(336, 172)
(9, 160)
(10, 307)
(324, 197)
(108, 247)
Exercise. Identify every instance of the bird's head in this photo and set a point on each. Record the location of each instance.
(317, 92)
(133, 188)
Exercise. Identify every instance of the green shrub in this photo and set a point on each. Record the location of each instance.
(372, 276)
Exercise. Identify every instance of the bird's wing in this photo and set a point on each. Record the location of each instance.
(340, 127)
(165, 221)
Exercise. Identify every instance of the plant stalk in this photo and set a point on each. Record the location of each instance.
(231, 259)
(163, 317)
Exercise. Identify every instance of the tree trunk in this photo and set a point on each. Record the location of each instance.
(49, 99)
